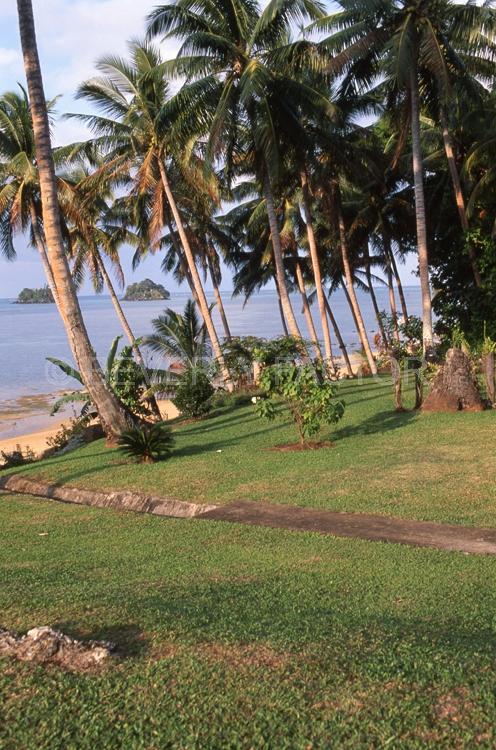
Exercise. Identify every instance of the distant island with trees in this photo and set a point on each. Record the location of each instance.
(145, 290)
(41, 296)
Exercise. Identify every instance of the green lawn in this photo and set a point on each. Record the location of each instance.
(238, 637)
(433, 467)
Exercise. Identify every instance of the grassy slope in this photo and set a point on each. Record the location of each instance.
(433, 467)
(236, 637)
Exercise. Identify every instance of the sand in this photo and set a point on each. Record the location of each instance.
(20, 428)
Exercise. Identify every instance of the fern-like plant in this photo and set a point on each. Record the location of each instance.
(147, 443)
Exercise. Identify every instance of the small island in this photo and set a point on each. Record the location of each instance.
(41, 296)
(145, 290)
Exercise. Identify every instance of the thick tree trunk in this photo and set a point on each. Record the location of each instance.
(351, 290)
(115, 419)
(339, 338)
(457, 188)
(418, 178)
(218, 297)
(399, 285)
(489, 376)
(308, 313)
(195, 277)
(129, 333)
(278, 261)
(317, 275)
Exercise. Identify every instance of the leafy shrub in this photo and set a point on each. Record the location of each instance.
(193, 393)
(147, 443)
(309, 397)
(17, 457)
(281, 349)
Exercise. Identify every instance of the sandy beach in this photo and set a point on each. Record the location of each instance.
(26, 422)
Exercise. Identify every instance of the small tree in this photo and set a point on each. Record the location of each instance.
(309, 397)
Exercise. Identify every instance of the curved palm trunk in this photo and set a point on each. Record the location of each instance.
(399, 285)
(351, 289)
(373, 298)
(278, 260)
(195, 278)
(418, 180)
(339, 339)
(308, 313)
(129, 333)
(218, 297)
(115, 419)
(317, 275)
(457, 188)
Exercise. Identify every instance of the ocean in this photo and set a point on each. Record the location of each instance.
(30, 333)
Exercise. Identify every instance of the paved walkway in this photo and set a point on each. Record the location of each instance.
(468, 539)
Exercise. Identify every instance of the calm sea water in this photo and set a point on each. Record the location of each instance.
(30, 333)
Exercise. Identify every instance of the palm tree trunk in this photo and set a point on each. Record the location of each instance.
(195, 277)
(339, 338)
(130, 335)
(317, 275)
(457, 187)
(373, 298)
(217, 295)
(399, 285)
(308, 313)
(115, 419)
(418, 179)
(281, 311)
(389, 270)
(351, 289)
(278, 260)
(40, 246)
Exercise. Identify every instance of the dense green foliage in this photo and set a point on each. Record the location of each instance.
(141, 291)
(310, 399)
(148, 442)
(193, 392)
(35, 296)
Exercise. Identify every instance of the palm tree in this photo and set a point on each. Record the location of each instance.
(237, 92)
(95, 233)
(181, 336)
(20, 202)
(135, 128)
(114, 417)
(414, 46)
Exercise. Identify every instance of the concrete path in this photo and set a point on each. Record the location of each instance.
(468, 539)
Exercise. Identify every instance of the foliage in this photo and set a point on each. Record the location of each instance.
(123, 375)
(180, 336)
(66, 433)
(17, 457)
(147, 443)
(308, 396)
(145, 290)
(282, 349)
(35, 296)
(193, 393)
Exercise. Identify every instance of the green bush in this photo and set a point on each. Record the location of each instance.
(309, 397)
(194, 393)
(147, 443)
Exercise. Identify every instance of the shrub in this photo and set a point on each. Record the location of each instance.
(147, 443)
(193, 393)
(17, 457)
(309, 397)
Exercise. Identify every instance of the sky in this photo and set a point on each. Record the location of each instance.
(72, 35)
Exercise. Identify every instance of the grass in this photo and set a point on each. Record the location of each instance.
(436, 467)
(238, 637)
